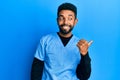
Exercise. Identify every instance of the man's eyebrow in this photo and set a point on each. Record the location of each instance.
(60, 15)
(70, 15)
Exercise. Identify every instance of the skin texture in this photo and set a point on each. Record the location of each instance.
(66, 21)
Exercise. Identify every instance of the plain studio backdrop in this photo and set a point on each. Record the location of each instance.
(23, 22)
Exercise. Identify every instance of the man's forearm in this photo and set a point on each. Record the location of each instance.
(84, 68)
(37, 69)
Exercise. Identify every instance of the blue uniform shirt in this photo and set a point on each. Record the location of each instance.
(60, 62)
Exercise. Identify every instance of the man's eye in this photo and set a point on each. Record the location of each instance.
(70, 19)
(61, 18)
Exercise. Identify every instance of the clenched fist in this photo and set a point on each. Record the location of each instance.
(83, 46)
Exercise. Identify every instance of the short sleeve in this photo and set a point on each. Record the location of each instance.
(40, 51)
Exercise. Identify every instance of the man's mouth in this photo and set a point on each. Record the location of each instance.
(65, 27)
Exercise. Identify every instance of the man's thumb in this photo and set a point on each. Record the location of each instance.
(89, 43)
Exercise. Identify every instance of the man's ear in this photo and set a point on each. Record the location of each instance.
(76, 20)
(57, 19)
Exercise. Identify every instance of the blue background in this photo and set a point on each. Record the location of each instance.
(23, 22)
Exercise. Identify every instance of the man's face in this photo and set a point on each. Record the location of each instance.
(66, 21)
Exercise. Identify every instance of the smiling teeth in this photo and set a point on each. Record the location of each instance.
(65, 27)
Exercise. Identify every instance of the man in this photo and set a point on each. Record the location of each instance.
(61, 55)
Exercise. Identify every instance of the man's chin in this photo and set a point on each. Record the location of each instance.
(64, 32)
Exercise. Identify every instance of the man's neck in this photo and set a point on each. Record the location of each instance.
(65, 35)
(65, 40)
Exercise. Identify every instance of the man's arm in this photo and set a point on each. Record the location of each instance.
(84, 68)
(37, 69)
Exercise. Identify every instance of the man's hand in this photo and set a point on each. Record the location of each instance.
(83, 46)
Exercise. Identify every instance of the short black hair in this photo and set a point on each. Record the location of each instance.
(67, 6)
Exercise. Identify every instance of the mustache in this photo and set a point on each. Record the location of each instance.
(64, 25)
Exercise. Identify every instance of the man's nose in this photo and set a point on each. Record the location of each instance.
(65, 21)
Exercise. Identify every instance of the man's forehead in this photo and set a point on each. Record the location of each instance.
(66, 12)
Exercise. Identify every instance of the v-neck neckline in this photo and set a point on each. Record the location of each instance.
(61, 43)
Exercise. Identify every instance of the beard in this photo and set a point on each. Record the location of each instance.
(63, 31)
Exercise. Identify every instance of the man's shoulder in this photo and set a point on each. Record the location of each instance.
(76, 38)
(48, 36)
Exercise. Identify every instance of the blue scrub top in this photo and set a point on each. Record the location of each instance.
(60, 62)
